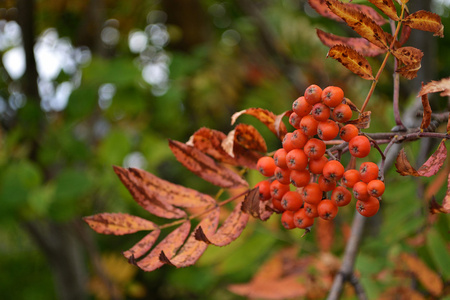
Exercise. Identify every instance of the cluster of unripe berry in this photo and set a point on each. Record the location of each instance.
(303, 183)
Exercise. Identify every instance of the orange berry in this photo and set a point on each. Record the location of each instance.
(333, 170)
(359, 146)
(266, 166)
(287, 142)
(301, 220)
(315, 166)
(326, 184)
(360, 191)
(276, 203)
(283, 175)
(296, 159)
(313, 94)
(320, 112)
(309, 125)
(351, 177)
(341, 196)
(301, 107)
(287, 219)
(312, 193)
(264, 190)
(376, 188)
(298, 139)
(327, 209)
(280, 158)
(342, 113)
(277, 189)
(327, 130)
(369, 207)
(314, 148)
(332, 96)
(369, 171)
(311, 210)
(292, 201)
(348, 132)
(300, 178)
(294, 120)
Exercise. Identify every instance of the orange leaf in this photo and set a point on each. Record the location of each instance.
(193, 249)
(209, 141)
(321, 7)
(426, 118)
(167, 192)
(361, 45)
(442, 86)
(205, 167)
(266, 117)
(435, 162)
(363, 121)
(404, 37)
(248, 137)
(404, 166)
(230, 230)
(364, 25)
(141, 195)
(143, 246)
(427, 277)
(352, 60)
(118, 223)
(387, 7)
(426, 21)
(170, 244)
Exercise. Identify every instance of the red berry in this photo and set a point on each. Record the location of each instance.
(314, 148)
(312, 193)
(320, 112)
(266, 166)
(327, 209)
(287, 142)
(296, 159)
(351, 177)
(287, 219)
(327, 130)
(342, 113)
(341, 196)
(369, 171)
(294, 120)
(301, 220)
(300, 178)
(332, 96)
(360, 191)
(264, 190)
(376, 188)
(277, 189)
(333, 170)
(280, 158)
(348, 132)
(298, 139)
(369, 207)
(326, 184)
(301, 107)
(313, 94)
(309, 125)
(359, 146)
(292, 201)
(311, 210)
(316, 165)
(283, 175)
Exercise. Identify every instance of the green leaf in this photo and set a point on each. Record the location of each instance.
(439, 252)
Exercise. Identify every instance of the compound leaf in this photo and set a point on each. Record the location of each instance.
(352, 60)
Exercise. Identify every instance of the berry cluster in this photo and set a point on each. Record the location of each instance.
(320, 185)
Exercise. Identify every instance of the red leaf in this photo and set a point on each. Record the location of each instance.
(266, 117)
(404, 166)
(143, 196)
(230, 230)
(170, 244)
(167, 192)
(435, 162)
(361, 45)
(425, 20)
(118, 223)
(193, 249)
(205, 167)
(143, 246)
(426, 118)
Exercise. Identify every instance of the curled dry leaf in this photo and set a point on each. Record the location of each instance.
(442, 86)
(352, 105)
(352, 60)
(436, 208)
(193, 248)
(427, 277)
(361, 45)
(435, 162)
(254, 207)
(408, 55)
(426, 118)
(170, 244)
(387, 7)
(118, 223)
(363, 121)
(209, 141)
(142, 247)
(409, 71)
(404, 36)
(247, 137)
(322, 9)
(205, 167)
(364, 25)
(403, 165)
(145, 196)
(426, 21)
(230, 230)
(266, 117)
